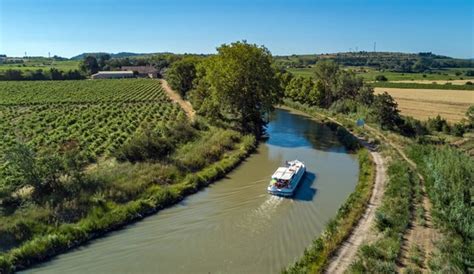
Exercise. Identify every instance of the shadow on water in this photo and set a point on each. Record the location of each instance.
(295, 130)
(306, 191)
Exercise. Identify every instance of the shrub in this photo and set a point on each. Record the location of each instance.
(207, 149)
(458, 130)
(344, 106)
(381, 78)
(412, 127)
(146, 146)
(469, 73)
(437, 124)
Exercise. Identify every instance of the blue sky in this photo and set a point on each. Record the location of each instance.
(70, 27)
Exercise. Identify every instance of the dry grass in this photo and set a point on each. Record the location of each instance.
(425, 103)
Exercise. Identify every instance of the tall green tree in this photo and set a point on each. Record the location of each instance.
(181, 74)
(243, 85)
(348, 85)
(327, 73)
(103, 58)
(89, 65)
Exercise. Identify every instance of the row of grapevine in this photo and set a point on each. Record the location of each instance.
(100, 122)
(42, 92)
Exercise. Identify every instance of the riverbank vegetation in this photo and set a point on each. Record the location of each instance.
(449, 176)
(352, 100)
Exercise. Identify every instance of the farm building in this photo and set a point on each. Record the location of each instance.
(142, 71)
(113, 75)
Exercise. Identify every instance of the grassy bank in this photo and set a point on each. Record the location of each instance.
(337, 230)
(109, 214)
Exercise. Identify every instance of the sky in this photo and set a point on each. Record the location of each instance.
(70, 27)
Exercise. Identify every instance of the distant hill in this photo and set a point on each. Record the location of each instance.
(113, 55)
(396, 61)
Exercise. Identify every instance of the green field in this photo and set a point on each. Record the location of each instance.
(421, 86)
(43, 63)
(369, 74)
(100, 115)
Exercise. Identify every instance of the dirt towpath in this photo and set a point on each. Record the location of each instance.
(175, 97)
(346, 253)
(421, 236)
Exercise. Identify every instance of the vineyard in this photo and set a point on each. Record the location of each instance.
(98, 115)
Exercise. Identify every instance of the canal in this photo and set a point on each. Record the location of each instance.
(233, 226)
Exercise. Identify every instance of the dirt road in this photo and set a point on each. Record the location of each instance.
(348, 250)
(175, 97)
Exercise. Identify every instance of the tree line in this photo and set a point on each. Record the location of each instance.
(392, 61)
(38, 75)
(341, 91)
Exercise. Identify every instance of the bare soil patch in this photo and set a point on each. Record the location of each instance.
(175, 97)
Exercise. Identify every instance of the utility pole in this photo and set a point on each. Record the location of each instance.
(375, 45)
(49, 54)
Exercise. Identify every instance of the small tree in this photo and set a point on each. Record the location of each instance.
(326, 73)
(437, 124)
(366, 95)
(182, 74)
(50, 176)
(90, 65)
(458, 129)
(385, 110)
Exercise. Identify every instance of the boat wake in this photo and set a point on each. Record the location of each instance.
(266, 209)
(257, 220)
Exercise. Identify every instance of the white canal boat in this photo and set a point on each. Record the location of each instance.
(285, 179)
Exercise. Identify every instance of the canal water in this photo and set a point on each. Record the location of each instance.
(233, 226)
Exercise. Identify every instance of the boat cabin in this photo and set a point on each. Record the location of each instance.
(282, 176)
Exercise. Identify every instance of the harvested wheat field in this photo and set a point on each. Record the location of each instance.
(425, 103)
